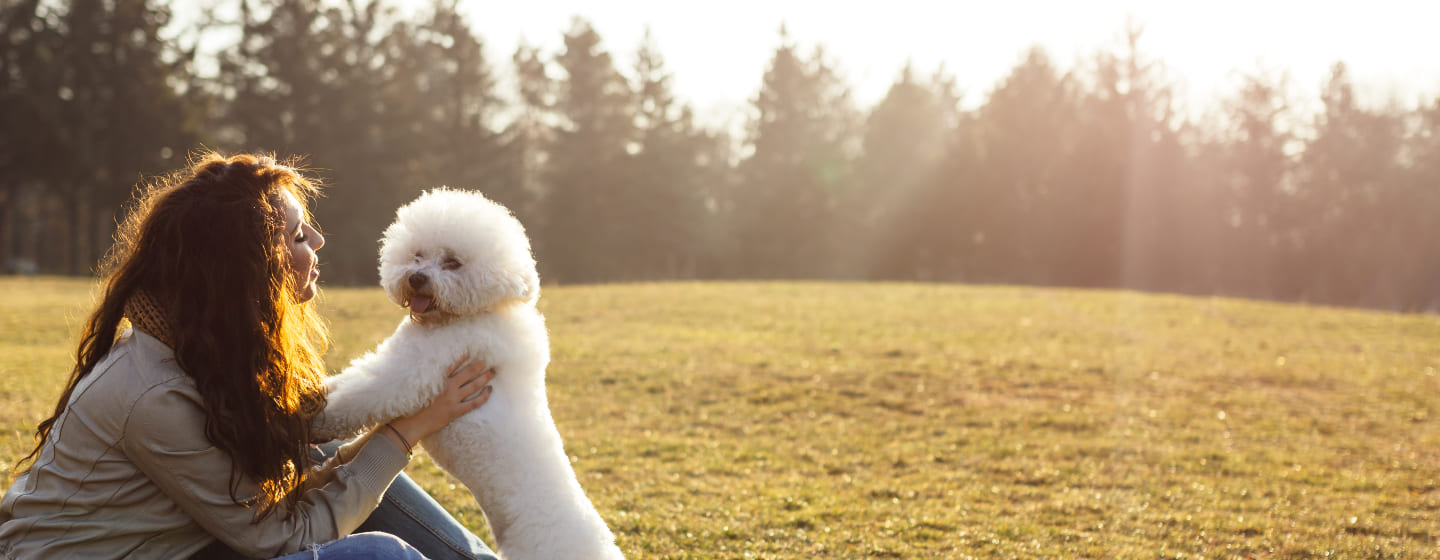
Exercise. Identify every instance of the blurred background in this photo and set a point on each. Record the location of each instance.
(1267, 150)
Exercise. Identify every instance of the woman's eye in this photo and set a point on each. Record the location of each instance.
(450, 264)
(419, 255)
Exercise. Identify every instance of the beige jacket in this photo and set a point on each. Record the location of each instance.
(128, 473)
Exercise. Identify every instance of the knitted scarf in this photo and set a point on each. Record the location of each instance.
(146, 314)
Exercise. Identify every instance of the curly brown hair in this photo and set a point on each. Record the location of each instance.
(207, 243)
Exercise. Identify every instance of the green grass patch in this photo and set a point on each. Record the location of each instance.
(788, 420)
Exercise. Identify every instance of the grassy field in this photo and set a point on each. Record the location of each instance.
(925, 421)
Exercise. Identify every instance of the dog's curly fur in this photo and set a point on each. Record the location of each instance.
(463, 266)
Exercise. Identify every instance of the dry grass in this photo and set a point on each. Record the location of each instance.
(923, 421)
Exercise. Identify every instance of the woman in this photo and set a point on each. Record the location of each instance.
(189, 433)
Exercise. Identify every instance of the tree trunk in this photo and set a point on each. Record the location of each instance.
(7, 228)
(79, 235)
(102, 228)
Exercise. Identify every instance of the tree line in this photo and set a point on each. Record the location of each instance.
(1089, 176)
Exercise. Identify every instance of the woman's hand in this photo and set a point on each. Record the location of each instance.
(467, 386)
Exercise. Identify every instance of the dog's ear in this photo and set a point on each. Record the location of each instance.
(516, 285)
(525, 286)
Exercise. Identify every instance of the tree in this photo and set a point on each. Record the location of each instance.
(440, 99)
(1024, 136)
(301, 82)
(1256, 223)
(29, 101)
(94, 86)
(1114, 211)
(1349, 190)
(904, 145)
(382, 108)
(585, 175)
(528, 137)
(665, 222)
(802, 149)
(1420, 229)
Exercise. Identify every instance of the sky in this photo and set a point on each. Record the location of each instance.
(718, 51)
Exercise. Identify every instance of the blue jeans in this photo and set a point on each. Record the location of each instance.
(359, 546)
(405, 512)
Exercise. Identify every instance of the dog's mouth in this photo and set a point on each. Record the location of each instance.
(420, 303)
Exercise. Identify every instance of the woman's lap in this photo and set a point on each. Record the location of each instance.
(359, 546)
(407, 513)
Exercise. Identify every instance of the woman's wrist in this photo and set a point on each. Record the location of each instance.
(403, 433)
(404, 441)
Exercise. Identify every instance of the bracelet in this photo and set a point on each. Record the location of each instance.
(403, 441)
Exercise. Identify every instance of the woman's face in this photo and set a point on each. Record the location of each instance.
(301, 240)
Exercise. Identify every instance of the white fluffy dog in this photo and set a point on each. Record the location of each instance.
(463, 267)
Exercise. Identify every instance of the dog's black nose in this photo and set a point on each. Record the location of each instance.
(419, 280)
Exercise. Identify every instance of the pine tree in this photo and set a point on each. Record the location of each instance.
(666, 221)
(1421, 243)
(903, 148)
(312, 79)
(1121, 177)
(802, 148)
(585, 175)
(91, 85)
(440, 99)
(1018, 208)
(528, 137)
(1349, 189)
(29, 82)
(1256, 219)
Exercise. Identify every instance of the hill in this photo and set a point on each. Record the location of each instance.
(792, 420)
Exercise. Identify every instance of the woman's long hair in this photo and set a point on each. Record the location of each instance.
(207, 243)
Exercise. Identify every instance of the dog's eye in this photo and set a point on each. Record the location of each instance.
(450, 264)
(419, 255)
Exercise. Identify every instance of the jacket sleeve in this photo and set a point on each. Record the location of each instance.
(165, 438)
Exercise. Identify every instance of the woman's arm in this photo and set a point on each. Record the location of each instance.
(165, 438)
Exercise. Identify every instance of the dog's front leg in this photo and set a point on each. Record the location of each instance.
(359, 397)
(345, 414)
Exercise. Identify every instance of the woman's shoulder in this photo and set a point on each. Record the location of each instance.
(153, 358)
(138, 368)
(137, 384)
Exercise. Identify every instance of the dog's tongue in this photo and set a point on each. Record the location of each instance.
(419, 304)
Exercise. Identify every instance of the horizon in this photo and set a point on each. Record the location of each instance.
(1086, 184)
